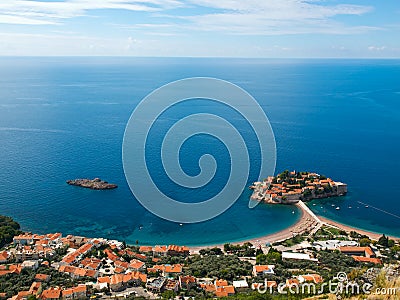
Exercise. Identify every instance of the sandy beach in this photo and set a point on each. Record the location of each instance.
(306, 223)
(372, 235)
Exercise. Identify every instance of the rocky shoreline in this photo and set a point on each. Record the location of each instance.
(94, 184)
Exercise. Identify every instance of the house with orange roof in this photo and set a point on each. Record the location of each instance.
(138, 278)
(23, 295)
(4, 257)
(45, 263)
(97, 242)
(119, 270)
(80, 291)
(174, 250)
(66, 269)
(220, 282)
(42, 277)
(76, 272)
(121, 264)
(68, 294)
(51, 239)
(146, 249)
(90, 263)
(187, 282)
(154, 272)
(23, 239)
(292, 282)
(91, 273)
(160, 250)
(10, 269)
(316, 278)
(51, 294)
(262, 270)
(105, 279)
(69, 259)
(224, 291)
(136, 265)
(129, 252)
(140, 256)
(85, 248)
(171, 285)
(220, 288)
(357, 251)
(208, 287)
(117, 282)
(171, 270)
(159, 267)
(372, 260)
(79, 272)
(111, 255)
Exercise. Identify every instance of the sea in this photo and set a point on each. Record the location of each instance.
(64, 118)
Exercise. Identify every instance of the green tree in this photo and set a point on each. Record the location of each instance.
(384, 241)
(8, 229)
(259, 251)
(168, 295)
(365, 242)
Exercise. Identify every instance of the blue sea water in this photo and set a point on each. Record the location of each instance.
(64, 118)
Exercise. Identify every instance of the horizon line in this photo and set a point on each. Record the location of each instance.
(219, 57)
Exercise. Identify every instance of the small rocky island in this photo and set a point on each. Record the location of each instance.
(290, 187)
(94, 184)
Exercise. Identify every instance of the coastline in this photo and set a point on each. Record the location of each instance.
(347, 228)
(306, 222)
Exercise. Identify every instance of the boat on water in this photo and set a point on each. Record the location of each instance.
(366, 206)
(338, 208)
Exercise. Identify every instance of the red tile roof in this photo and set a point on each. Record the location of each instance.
(105, 279)
(367, 259)
(221, 282)
(224, 291)
(51, 293)
(160, 249)
(42, 277)
(146, 249)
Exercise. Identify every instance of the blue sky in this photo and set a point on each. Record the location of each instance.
(227, 28)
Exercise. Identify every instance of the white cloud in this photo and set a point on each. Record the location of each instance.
(165, 30)
(12, 11)
(376, 48)
(285, 9)
(13, 19)
(276, 17)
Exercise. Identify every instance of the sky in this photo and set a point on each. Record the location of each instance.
(201, 28)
